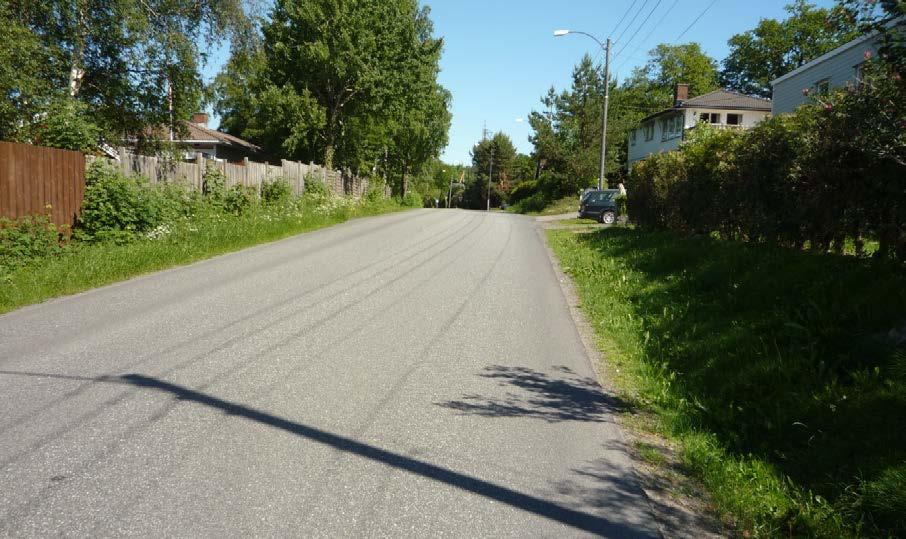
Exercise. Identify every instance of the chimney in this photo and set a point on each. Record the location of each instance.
(680, 94)
(200, 118)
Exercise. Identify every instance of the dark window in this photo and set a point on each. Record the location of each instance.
(822, 86)
(734, 119)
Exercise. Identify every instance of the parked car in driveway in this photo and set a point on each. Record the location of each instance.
(600, 204)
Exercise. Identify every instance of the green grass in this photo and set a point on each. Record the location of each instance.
(771, 369)
(82, 266)
(539, 206)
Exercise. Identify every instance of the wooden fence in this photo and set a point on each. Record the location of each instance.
(248, 173)
(36, 180)
(33, 178)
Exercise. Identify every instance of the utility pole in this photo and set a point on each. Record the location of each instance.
(606, 48)
(601, 177)
(490, 172)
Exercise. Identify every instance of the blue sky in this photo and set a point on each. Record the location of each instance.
(500, 57)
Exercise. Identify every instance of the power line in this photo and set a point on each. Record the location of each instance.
(622, 18)
(634, 17)
(637, 30)
(653, 28)
(700, 15)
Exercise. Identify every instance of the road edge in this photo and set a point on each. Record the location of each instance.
(674, 518)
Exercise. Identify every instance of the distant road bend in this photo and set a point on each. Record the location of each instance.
(411, 374)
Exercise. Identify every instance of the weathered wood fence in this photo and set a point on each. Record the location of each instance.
(33, 178)
(41, 181)
(248, 173)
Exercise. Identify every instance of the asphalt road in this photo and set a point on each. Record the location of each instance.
(411, 374)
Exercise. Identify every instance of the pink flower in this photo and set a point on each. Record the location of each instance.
(897, 77)
(806, 91)
(828, 106)
(867, 55)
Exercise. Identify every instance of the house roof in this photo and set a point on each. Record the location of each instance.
(200, 133)
(718, 99)
(842, 48)
(197, 133)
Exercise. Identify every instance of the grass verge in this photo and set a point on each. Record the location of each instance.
(781, 375)
(82, 266)
(537, 206)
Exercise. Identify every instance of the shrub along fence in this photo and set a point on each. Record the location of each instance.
(33, 178)
(830, 173)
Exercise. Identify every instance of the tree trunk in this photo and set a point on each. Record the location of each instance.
(404, 184)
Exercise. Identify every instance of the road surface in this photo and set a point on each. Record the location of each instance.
(416, 374)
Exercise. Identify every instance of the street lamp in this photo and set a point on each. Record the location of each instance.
(561, 33)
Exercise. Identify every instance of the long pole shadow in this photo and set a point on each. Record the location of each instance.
(532, 504)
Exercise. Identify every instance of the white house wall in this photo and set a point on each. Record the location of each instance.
(643, 148)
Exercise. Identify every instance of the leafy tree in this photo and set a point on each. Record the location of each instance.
(26, 75)
(347, 83)
(495, 156)
(119, 57)
(671, 64)
(867, 17)
(774, 47)
(66, 125)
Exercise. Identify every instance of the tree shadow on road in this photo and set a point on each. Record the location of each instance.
(563, 395)
(540, 506)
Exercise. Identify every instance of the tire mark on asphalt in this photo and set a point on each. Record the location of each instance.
(220, 329)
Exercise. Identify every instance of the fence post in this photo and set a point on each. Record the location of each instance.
(199, 171)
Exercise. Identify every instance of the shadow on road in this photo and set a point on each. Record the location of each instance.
(563, 396)
(570, 517)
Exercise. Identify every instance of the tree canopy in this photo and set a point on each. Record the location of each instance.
(347, 83)
(774, 47)
(126, 61)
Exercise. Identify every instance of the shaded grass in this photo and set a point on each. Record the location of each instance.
(82, 266)
(771, 367)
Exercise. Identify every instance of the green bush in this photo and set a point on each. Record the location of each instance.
(25, 239)
(117, 207)
(66, 125)
(375, 192)
(827, 175)
(238, 199)
(523, 190)
(276, 192)
(314, 187)
(533, 203)
(213, 185)
(412, 200)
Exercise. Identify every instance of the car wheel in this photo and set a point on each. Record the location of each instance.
(607, 217)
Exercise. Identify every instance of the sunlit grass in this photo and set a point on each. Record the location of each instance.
(82, 266)
(771, 368)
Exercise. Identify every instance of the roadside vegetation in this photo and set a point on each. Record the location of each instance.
(781, 374)
(129, 227)
(828, 176)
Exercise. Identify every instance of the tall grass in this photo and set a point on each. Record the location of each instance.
(777, 371)
(83, 265)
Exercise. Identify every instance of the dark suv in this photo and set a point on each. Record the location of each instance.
(600, 204)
